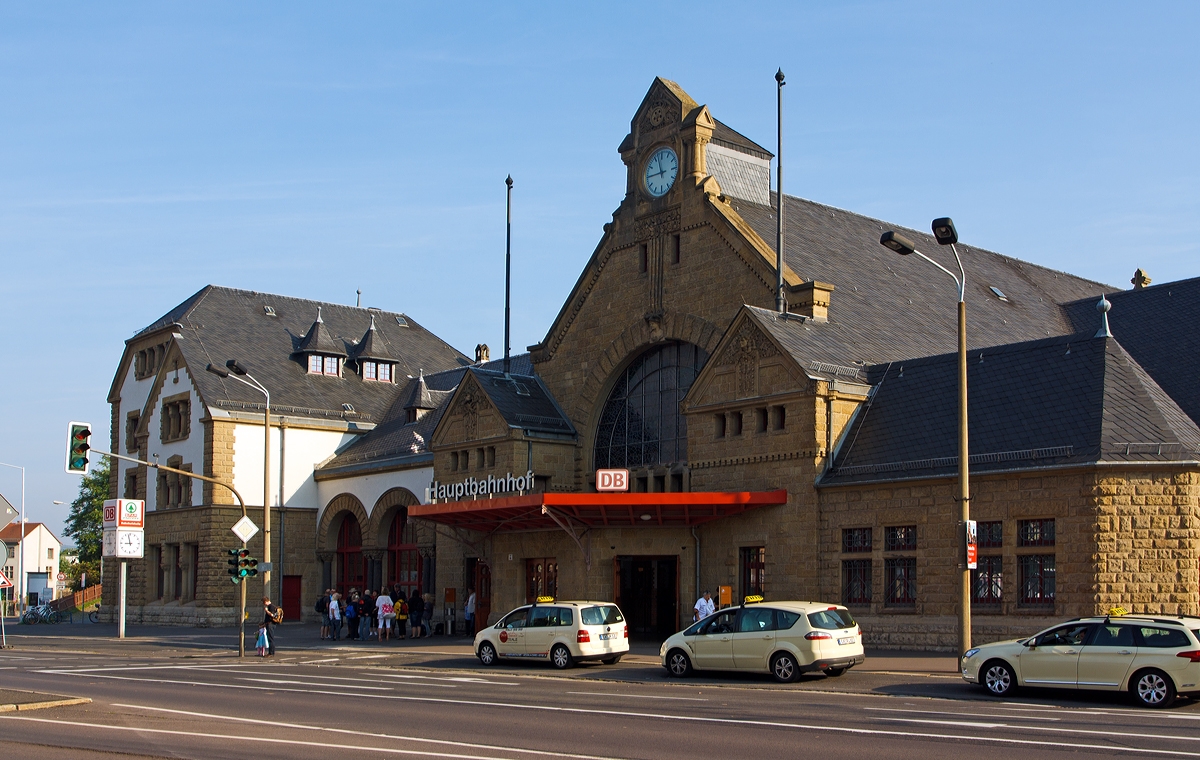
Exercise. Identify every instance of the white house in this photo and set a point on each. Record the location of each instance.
(40, 550)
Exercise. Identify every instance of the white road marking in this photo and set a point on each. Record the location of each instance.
(354, 731)
(310, 683)
(369, 657)
(1057, 730)
(263, 739)
(719, 721)
(945, 712)
(321, 662)
(634, 696)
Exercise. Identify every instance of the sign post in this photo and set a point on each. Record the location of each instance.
(244, 529)
(4, 583)
(124, 538)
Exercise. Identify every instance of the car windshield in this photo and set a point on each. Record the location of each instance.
(606, 615)
(831, 619)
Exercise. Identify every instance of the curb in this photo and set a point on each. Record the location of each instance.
(25, 706)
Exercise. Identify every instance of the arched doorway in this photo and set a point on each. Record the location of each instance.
(350, 563)
(403, 558)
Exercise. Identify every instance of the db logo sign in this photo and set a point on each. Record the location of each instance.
(110, 513)
(503, 637)
(612, 480)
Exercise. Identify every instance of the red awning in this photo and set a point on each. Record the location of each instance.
(595, 510)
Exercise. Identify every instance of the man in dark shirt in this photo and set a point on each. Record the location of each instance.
(270, 616)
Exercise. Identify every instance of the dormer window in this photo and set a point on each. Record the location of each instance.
(324, 365)
(376, 371)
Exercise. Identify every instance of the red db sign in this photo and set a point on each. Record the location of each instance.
(612, 480)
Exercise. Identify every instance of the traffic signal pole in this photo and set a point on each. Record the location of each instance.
(241, 623)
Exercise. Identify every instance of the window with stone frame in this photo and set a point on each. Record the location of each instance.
(900, 538)
(990, 535)
(131, 426)
(855, 540)
(376, 372)
(1035, 533)
(175, 420)
(856, 581)
(131, 484)
(987, 582)
(319, 364)
(1037, 580)
(146, 362)
(900, 578)
(174, 490)
(753, 562)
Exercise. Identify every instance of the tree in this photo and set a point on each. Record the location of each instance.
(85, 520)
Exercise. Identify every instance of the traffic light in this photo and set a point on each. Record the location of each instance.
(247, 565)
(78, 434)
(234, 573)
(241, 565)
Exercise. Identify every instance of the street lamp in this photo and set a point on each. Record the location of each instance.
(945, 234)
(20, 584)
(235, 371)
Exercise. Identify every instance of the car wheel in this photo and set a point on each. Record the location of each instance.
(998, 678)
(784, 668)
(1152, 688)
(611, 660)
(487, 654)
(560, 657)
(678, 664)
(833, 672)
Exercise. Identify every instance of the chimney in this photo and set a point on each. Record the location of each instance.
(482, 354)
(811, 299)
(1140, 279)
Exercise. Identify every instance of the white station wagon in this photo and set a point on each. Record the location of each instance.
(562, 632)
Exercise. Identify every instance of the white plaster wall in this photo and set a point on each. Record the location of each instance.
(368, 488)
(191, 449)
(33, 550)
(305, 449)
(133, 398)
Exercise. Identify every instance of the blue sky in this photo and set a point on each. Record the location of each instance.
(306, 149)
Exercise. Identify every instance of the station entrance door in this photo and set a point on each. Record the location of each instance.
(647, 591)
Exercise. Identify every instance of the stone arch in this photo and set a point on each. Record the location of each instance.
(638, 335)
(382, 513)
(331, 521)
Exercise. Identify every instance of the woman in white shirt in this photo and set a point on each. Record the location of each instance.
(387, 613)
(335, 616)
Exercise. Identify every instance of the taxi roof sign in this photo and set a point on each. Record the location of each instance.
(753, 599)
(545, 599)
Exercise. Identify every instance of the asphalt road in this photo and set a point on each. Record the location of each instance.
(191, 699)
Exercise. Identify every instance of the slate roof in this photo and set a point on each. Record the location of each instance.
(523, 401)
(1061, 400)
(886, 306)
(373, 345)
(1160, 327)
(319, 340)
(220, 323)
(727, 136)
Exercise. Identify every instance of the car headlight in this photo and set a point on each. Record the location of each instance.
(970, 653)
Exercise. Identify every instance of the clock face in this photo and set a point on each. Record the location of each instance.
(129, 544)
(660, 172)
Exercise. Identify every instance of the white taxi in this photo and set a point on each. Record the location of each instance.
(562, 632)
(1153, 657)
(784, 639)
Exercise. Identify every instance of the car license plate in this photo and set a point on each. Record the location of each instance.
(846, 641)
(607, 636)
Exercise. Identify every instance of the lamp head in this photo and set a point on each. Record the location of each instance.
(217, 371)
(943, 230)
(897, 243)
(235, 368)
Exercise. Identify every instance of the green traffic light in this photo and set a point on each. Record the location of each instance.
(78, 434)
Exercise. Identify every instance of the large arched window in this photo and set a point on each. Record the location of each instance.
(351, 567)
(641, 424)
(404, 560)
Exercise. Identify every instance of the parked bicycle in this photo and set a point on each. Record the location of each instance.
(40, 614)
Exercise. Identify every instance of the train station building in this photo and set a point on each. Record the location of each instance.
(803, 453)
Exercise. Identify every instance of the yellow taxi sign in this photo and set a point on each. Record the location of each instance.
(545, 599)
(753, 599)
(1117, 611)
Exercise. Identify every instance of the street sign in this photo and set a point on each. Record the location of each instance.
(7, 512)
(124, 513)
(244, 529)
(972, 544)
(62, 577)
(612, 480)
(5, 582)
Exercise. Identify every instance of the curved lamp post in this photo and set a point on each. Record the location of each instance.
(945, 234)
(235, 371)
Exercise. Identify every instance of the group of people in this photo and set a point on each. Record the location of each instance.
(374, 614)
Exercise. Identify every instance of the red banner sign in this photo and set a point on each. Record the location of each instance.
(612, 480)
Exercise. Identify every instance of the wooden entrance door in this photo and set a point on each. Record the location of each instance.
(291, 597)
(483, 595)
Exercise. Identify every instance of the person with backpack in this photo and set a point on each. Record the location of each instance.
(387, 613)
(416, 608)
(272, 616)
(322, 608)
(352, 606)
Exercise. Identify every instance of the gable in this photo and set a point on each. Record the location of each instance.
(748, 363)
(470, 416)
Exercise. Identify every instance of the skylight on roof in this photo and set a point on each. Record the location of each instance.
(998, 293)
(402, 321)
(269, 311)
